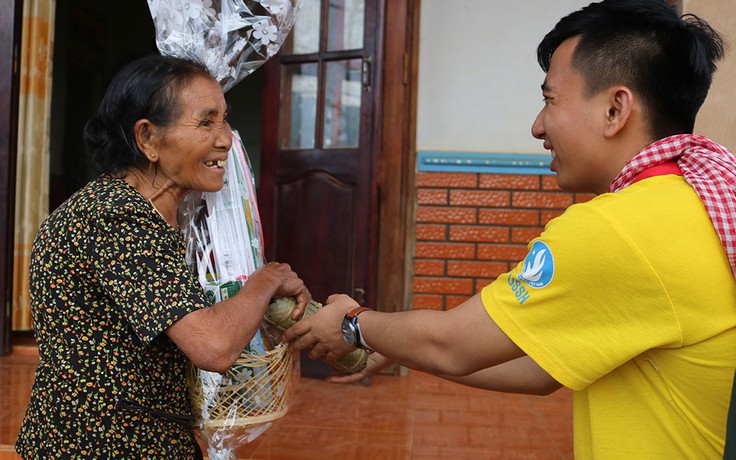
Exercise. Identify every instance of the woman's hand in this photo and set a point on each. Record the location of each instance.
(376, 362)
(286, 284)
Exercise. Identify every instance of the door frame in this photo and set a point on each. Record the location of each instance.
(11, 15)
(396, 177)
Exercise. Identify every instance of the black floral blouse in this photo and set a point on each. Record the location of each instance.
(108, 276)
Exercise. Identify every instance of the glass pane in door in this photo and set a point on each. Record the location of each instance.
(304, 35)
(346, 18)
(298, 106)
(343, 90)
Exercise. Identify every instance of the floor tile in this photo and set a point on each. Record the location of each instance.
(418, 417)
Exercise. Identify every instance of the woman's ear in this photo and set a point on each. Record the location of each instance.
(620, 108)
(146, 136)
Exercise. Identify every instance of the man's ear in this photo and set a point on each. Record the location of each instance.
(146, 137)
(620, 109)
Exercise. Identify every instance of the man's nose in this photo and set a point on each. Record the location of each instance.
(538, 127)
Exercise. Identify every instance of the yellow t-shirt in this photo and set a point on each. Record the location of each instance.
(629, 300)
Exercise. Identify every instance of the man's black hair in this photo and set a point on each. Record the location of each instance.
(667, 60)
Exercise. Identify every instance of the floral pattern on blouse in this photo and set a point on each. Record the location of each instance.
(108, 276)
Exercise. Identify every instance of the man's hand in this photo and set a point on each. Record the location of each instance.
(322, 332)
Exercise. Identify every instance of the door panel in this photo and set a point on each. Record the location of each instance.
(318, 189)
(334, 217)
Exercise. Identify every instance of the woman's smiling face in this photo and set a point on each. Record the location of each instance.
(191, 151)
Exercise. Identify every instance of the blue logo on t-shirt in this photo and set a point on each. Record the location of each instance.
(539, 266)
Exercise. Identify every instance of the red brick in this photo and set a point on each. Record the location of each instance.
(546, 216)
(427, 302)
(429, 232)
(477, 233)
(443, 286)
(475, 269)
(508, 252)
(444, 251)
(550, 183)
(448, 180)
(546, 200)
(481, 283)
(583, 197)
(525, 234)
(454, 301)
(484, 198)
(508, 217)
(424, 267)
(431, 196)
(509, 182)
(446, 215)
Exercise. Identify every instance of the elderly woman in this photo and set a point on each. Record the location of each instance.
(117, 312)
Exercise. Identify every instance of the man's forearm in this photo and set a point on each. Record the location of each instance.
(521, 375)
(458, 342)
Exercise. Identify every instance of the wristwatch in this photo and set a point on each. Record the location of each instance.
(351, 330)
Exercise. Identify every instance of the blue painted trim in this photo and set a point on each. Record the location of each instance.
(496, 163)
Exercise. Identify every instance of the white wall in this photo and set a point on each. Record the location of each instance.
(479, 81)
(717, 117)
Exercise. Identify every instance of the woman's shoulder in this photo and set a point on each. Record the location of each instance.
(106, 196)
(103, 199)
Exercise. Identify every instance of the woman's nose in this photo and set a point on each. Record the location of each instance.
(225, 139)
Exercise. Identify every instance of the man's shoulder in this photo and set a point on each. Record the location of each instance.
(657, 202)
(659, 193)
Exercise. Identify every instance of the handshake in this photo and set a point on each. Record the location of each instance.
(332, 336)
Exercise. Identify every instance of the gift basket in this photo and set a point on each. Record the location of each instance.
(224, 245)
(222, 229)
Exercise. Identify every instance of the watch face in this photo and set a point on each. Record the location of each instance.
(348, 333)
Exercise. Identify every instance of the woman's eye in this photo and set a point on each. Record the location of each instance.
(205, 123)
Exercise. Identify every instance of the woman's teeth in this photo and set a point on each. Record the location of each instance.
(215, 163)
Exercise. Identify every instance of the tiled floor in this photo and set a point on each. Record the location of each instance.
(416, 417)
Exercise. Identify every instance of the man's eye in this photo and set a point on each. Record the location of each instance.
(205, 123)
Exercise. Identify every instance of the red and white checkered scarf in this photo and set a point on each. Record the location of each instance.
(708, 167)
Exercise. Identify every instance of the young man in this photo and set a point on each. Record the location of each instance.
(628, 299)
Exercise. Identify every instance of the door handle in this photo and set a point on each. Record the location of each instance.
(366, 73)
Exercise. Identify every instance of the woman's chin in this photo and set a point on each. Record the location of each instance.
(209, 186)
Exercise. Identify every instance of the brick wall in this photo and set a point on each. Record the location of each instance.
(470, 228)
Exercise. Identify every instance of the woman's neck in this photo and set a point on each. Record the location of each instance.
(161, 193)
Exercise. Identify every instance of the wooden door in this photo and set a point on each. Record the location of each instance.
(10, 20)
(317, 186)
(317, 192)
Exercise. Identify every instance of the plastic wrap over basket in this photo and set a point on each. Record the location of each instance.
(223, 247)
(231, 37)
(222, 230)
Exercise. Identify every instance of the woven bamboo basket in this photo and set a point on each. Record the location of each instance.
(257, 389)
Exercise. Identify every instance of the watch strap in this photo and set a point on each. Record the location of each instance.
(356, 311)
(352, 316)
